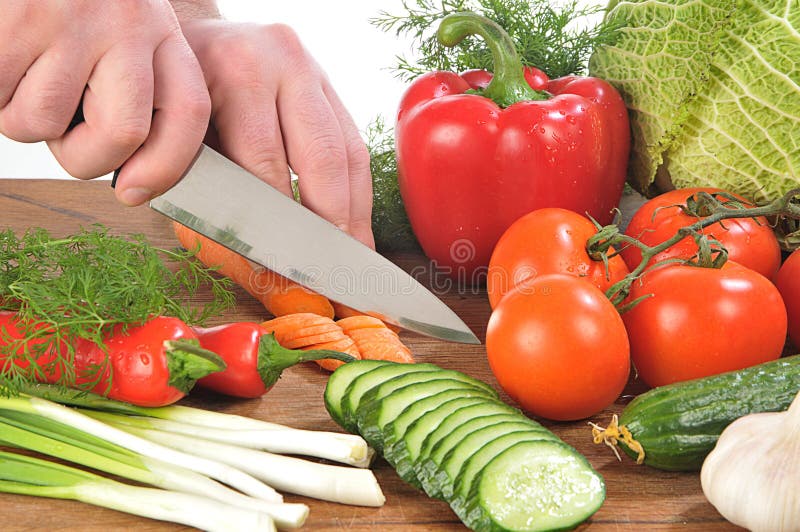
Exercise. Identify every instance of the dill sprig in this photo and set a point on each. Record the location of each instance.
(556, 38)
(78, 288)
(390, 224)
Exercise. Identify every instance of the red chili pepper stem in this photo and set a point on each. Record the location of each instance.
(273, 358)
(508, 85)
(187, 362)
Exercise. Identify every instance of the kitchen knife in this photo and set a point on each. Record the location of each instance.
(226, 203)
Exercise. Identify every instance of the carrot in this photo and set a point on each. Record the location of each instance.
(361, 336)
(293, 328)
(343, 311)
(374, 340)
(360, 321)
(278, 294)
(311, 331)
(344, 345)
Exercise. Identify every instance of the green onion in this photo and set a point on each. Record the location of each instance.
(26, 475)
(345, 485)
(225, 428)
(224, 473)
(61, 441)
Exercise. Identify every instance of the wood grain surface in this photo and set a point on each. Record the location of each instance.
(638, 498)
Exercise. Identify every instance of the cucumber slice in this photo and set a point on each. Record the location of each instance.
(473, 465)
(362, 383)
(424, 468)
(469, 437)
(394, 431)
(405, 451)
(341, 379)
(383, 403)
(532, 486)
(428, 468)
(451, 464)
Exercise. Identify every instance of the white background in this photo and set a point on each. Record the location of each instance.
(355, 55)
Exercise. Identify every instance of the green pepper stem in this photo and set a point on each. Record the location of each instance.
(508, 85)
(273, 358)
(187, 362)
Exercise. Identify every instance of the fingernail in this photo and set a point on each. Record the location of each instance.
(344, 227)
(135, 196)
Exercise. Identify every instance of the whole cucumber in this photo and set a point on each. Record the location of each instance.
(677, 425)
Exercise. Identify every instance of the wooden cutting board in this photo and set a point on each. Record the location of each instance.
(638, 497)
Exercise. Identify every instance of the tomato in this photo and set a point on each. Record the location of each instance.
(558, 347)
(549, 240)
(750, 242)
(788, 282)
(703, 321)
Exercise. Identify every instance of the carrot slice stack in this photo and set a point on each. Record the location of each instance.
(306, 330)
(374, 339)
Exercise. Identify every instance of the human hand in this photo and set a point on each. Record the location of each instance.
(126, 58)
(273, 108)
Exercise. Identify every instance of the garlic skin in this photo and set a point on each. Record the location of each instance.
(752, 477)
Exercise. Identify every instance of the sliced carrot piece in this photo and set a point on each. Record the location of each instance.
(289, 329)
(344, 312)
(344, 345)
(360, 321)
(380, 343)
(306, 341)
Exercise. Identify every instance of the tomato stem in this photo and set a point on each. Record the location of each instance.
(709, 208)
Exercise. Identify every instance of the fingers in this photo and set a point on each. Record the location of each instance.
(117, 108)
(42, 104)
(182, 108)
(250, 135)
(315, 150)
(358, 165)
(274, 109)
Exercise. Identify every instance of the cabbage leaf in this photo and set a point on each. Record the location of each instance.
(713, 91)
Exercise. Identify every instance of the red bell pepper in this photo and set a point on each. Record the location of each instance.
(477, 152)
(153, 364)
(253, 357)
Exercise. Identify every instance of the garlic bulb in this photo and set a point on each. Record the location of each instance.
(752, 476)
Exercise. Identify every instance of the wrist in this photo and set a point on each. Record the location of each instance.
(195, 9)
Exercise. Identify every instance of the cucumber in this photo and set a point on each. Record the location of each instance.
(453, 420)
(383, 403)
(340, 380)
(450, 433)
(678, 424)
(451, 464)
(440, 392)
(534, 485)
(405, 451)
(428, 468)
(473, 465)
(364, 382)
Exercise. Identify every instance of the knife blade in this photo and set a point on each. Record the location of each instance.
(231, 206)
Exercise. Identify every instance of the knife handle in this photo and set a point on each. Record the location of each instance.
(77, 118)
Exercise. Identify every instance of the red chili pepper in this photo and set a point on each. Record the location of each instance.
(253, 357)
(477, 152)
(154, 364)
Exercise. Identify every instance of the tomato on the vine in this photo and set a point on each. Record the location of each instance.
(749, 241)
(544, 241)
(696, 322)
(558, 347)
(788, 282)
